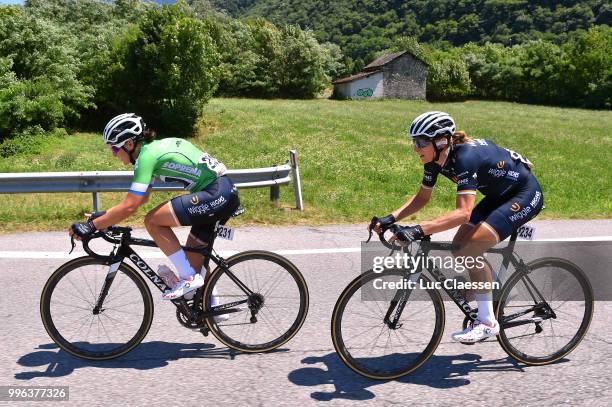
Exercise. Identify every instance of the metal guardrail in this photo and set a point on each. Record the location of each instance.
(119, 181)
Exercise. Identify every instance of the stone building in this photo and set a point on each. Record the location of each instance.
(400, 75)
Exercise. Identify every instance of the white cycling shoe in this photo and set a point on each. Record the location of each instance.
(476, 332)
(184, 287)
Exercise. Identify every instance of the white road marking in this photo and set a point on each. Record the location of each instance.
(150, 254)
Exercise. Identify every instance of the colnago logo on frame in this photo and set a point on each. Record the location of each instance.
(147, 270)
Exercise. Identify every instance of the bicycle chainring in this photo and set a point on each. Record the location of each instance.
(185, 321)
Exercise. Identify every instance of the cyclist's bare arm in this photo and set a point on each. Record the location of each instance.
(147, 195)
(119, 212)
(414, 204)
(464, 204)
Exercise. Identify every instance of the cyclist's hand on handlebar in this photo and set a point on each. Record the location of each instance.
(82, 229)
(407, 234)
(381, 224)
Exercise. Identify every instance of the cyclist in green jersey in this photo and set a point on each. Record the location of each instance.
(213, 197)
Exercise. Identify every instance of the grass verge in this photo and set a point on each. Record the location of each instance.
(355, 160)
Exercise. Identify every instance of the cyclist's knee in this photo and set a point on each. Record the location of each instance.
(461, 237)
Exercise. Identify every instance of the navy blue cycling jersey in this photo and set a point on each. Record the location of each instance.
(480, 165)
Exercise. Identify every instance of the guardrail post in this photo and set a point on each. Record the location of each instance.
(96, 201)
(274, 192)
(297, 187)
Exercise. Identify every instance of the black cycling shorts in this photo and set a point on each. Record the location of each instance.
(507, 213)
(201, 210)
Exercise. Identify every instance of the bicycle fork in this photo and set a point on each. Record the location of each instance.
(398, 303)
(108, 281)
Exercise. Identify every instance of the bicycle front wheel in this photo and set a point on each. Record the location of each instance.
(545, 313)
(67, 309)
(369, 344)
(265, 319)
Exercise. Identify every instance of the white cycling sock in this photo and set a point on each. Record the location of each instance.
(485, 308)
(179, 259)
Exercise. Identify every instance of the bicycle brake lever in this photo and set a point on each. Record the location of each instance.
(373, 223)
(72, 243)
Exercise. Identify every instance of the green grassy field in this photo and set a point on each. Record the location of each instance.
(355, 159)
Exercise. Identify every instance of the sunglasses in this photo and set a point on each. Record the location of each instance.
(421, 141)
(117, 147)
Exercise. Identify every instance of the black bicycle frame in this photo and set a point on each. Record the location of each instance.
(401, 296)
(125, 250)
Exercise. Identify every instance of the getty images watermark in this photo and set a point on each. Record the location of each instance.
(410, 264)
(428, 266)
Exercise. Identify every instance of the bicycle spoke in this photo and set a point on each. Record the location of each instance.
(73, 306)
(87, 283)
(561, 333)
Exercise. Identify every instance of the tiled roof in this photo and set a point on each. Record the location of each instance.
(375, 66)
(382, 61)
(354, 77)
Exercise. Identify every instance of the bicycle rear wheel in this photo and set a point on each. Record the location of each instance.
(67, 309)
(545, 313)
(269, 317)
(373, 348)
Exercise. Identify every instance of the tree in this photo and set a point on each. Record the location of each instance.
(304, 63)
(166, 68)
(39, 72)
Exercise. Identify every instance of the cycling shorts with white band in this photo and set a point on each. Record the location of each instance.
(201, 210)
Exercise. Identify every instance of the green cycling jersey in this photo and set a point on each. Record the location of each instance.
(174, 160)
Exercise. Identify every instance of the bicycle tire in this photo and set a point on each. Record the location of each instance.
(221, 330)
(344, 353)
(74, 348)
(503, 337)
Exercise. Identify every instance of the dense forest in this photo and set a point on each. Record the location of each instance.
(364, 27)
(539, 51)
(71, 63)
(66, 63)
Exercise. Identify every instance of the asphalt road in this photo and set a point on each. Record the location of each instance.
(177, 366)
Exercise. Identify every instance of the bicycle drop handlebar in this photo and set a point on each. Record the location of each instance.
(381, 236)
(112, 234)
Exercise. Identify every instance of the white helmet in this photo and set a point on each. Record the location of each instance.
(122, 128)
(432, 124)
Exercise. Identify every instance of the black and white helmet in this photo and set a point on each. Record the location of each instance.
(122, 128)
(432, 124)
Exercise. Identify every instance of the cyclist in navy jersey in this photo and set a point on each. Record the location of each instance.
(512, 197)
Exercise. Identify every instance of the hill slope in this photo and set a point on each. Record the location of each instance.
(363, 27)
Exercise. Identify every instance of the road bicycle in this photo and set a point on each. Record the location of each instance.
(388, 336)
(98, 307)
